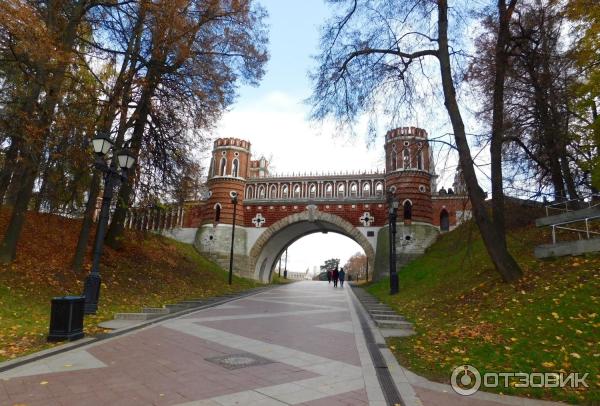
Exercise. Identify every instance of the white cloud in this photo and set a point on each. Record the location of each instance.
(276, 126)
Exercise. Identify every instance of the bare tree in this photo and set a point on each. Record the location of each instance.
(376, 50)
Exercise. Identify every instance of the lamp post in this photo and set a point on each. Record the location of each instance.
(112, 177)
(234, 200)
(393, 215)
(285, 268)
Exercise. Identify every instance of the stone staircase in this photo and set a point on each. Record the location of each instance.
(125, 320)
(390, 323)
(575, 221)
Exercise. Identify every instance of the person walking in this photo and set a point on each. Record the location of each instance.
(342, 276)
(335, 275)
(328, 276)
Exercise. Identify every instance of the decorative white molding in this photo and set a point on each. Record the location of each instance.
(366, 219)
(258, 220)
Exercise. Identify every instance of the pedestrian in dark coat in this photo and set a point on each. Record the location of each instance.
(342, 276)
(335, 277)
(328, 276)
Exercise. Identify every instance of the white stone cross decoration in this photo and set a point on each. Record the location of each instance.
(367, 219)
(259, 220)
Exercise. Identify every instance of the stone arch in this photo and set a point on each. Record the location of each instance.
(274, 240)
(366, 189)
(249, 192)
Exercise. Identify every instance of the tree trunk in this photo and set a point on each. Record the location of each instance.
(33, 151)
(86, 226)
(567, 175)
(9, 165)
(117, 225)
(8, 247)
(505, 264)
(39, 198)
(500, 65)
(13, 187)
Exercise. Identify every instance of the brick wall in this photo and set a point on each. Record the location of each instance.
(450, 203)
(193, 214)
(220, 188)
(414, 186)
(349, 212)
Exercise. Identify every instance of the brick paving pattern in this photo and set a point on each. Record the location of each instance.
(298, 344)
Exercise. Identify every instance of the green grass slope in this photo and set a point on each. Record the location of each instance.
(464, 314)
(148, 271)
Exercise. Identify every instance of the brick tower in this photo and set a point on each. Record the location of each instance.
(228, 172)
(408, 173)
(408, 176)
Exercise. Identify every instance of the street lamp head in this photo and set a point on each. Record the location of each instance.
(234, 197)
(126, 159)
(102, 144)
(395, 204)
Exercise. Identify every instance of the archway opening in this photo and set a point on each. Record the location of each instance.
(271, 245)
(444, 220)
(309, 257)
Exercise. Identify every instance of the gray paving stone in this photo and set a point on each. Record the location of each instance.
(136, 316)
(158, 310)
(396, 332)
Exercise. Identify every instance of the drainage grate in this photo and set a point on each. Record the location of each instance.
(392, 396)
(238, 361)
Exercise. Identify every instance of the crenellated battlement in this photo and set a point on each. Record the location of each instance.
(406, 132)
(320, 175)
(232, 142)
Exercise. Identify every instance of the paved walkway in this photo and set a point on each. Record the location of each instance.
(296, 344)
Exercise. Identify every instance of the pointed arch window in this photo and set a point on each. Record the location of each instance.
(217, 212)
(341, 190)
(379, 189)
(353, 190)
(261, 192)
(222, 166)
(297, 191)
(394, 158)
(313, 190)
(329, 190)
(250, 192)
(366, 191)
(211, 170)
(284, 191)
(406, 158)
(235, 168)
(407, 210)
(273, 192)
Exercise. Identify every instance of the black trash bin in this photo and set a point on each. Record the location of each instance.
(66, 318)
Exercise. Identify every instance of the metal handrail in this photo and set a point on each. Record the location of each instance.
(587, 231)
(590, 202)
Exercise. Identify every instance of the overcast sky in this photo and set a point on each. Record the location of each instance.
(273, 117)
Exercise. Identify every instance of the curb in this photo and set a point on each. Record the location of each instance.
(394, 383)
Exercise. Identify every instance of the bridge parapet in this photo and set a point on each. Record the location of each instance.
(330, 187)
